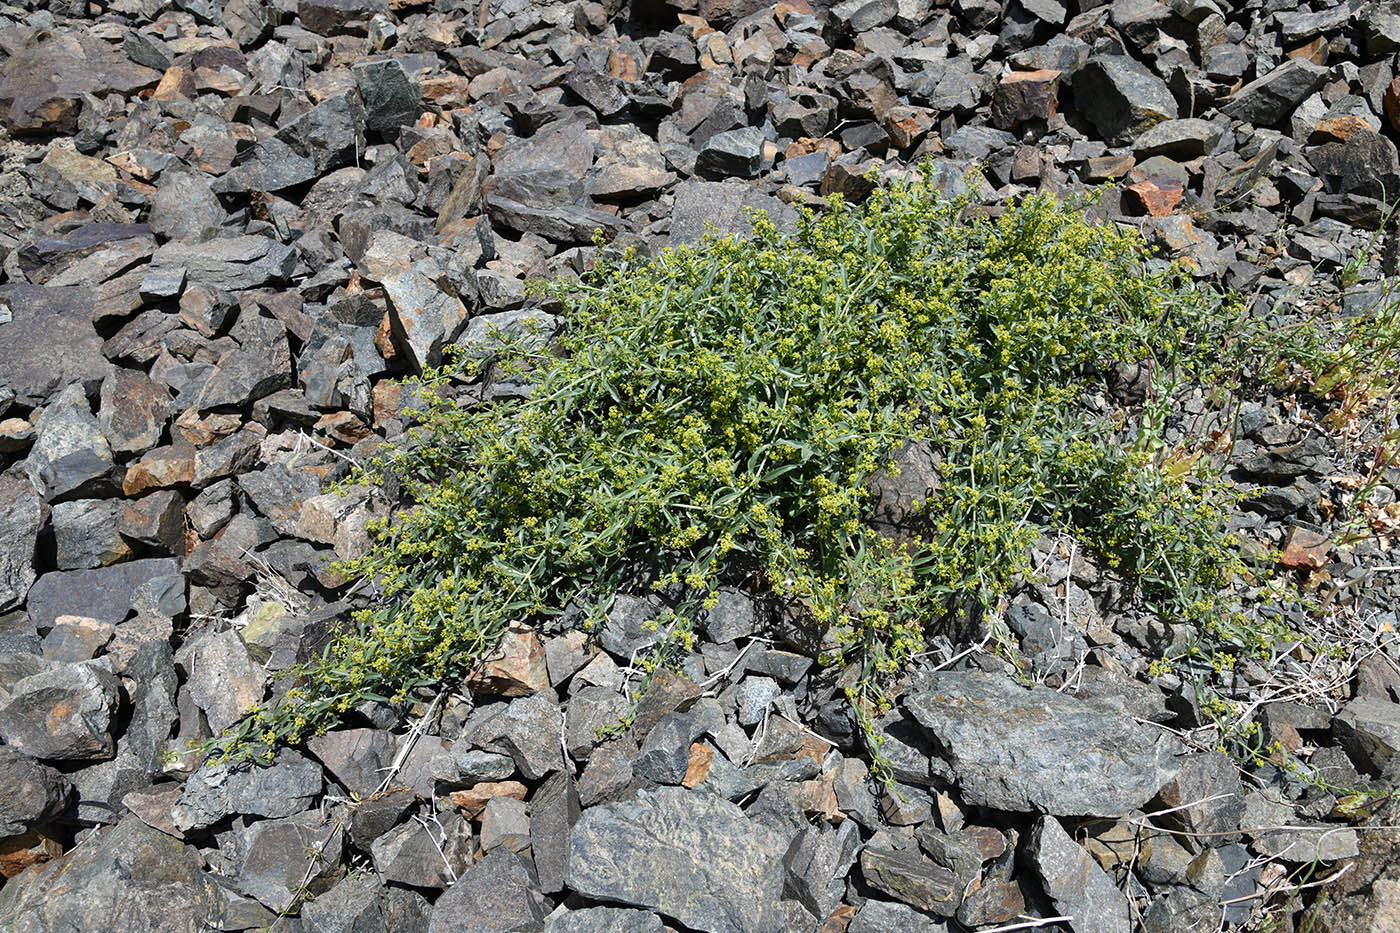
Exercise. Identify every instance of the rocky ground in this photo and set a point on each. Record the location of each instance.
(227, 227)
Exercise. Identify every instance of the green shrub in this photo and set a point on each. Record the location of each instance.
(714, 415)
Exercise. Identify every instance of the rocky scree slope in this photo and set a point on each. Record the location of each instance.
(226, 227)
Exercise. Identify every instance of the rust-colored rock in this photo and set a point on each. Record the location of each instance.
(1026, 95)
(31, 848)
(698, 767)
(1338, 129)
(1305, 550)
(162, 468)
(517, 669)
(1392, 104)
(1157, 196)
(473, 800)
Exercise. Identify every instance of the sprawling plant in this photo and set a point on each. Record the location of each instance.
(715, 414)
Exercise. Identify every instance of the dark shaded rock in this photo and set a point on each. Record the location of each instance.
(602, 920)
(85, 534)
(424, 854)
(42, 86)
(1369, 730)
(1076, 885)
(1268, 99)
(909, 877)
(1207, 776)
(62, 712)
(338, 17)
(34, 793)
(20, 522)
(282, 858)
(496, 895)
(391, 99)
(354, 757)
(528, 730)
(48, 342)
(1122, 98)
(1026, 750)
(1178, 139)
(156, 519)
(709, 867)
(107, 594)
(732, 154)
(1365, 163)
(129, 877)
(133, 411)
(1025, 95)
(554, 809)
(817, 862)
(285, 787)
(355, 905)
(231, 264)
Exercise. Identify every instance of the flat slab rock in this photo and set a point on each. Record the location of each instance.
(1038, 750)
(688, 855)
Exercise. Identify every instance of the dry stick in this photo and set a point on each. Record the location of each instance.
(1028, 924)
(410, 739)
(1302, 887)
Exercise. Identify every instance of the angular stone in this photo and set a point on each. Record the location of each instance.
(128, 877)
(355, 905)
(528, 730)
(602, 920)
(731, 154)
(1184, 139)
(281, 859)
(354, 757)
(515, 668)
(42, 84)
(133, 411)
(20, 521)
(425, 313)
(107, 594)
(157, 519)
(34, 793)
(424, 854)
(1026, 750)
(817, 862)
(1077, 886)
(1369, 730)
(1365, 163)
(722, 205)
(708, 866)
(909, 877)
(554, 810)
(224, 681)
(62, 712)
(1025, 95)
(230, 264)
(1268, 99)
(1122, 98)
(48, 342)
(391, 99)
(86, 535)
(185, 207)
(499, 894)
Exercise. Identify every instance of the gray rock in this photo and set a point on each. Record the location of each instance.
(1275, 830)
(1027, 750)
(128, 877)
(34, 793)
(426, 313)
(20, 521)
(157, 519)
(329, 135)
(731, 154)
(883, 916)
(861, 15)
(1206, 776)
(133, 411)
(86, 535)
(355, 757)
(62, 712)
(498, 894)
(260, 365)
(753, 695)
(708, 866)
(722, 205)
(1178, 139)
(69, 449)
(283, 788)
(554, 809)
(185, 207)
(528, 730)
(281, 858)
(1369, 730)
(602, 920)
(590, 711)
(732, 618)
(1076, 885)
(909, 877)
(1366, 164)
(224, 681)
(1268, 99)
(375, 816)
(1122, 98)
(230, 264)
(355, 905)
(817, 862)
(391, 99)
(48, 342)
(424, 854)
